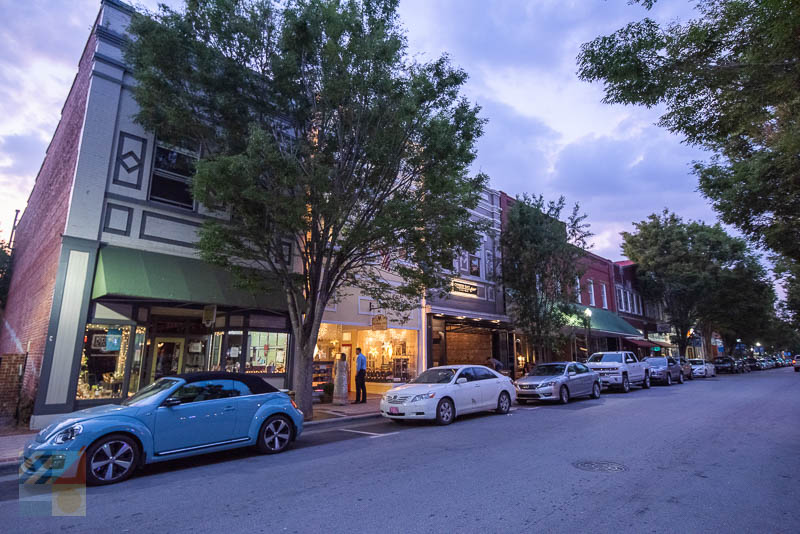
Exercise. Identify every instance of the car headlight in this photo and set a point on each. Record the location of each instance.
(68, 434)
(547, 384)
(423, 396)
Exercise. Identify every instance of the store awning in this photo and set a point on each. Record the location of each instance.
(662, 345)
(126, 272)
(641, 342)
(604, 321)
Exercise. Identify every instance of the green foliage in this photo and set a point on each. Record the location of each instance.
(730, 81)
(686, 265)
(541, 262)
(5, 272)
(318, 133)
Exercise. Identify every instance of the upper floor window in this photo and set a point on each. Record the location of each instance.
(578, 289)
(475, 266)
(604, 296)
(620, 300)
(173, 169)
(591, 293)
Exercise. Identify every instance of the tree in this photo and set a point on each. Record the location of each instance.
(679, 263)
(730, 81)
(331, 151)
(540, 266)
(5, 272)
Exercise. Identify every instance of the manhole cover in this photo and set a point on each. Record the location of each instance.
(600, 467)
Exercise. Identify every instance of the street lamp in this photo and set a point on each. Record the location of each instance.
(588, 313)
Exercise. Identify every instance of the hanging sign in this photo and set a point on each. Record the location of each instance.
(209, 314)
(379, 322)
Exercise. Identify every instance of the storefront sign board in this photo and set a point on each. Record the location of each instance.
(464, 287)
(379, 322)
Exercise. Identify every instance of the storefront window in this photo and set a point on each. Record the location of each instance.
(138, 358)
(235, 340)
(216, 351)
(391, 354)
(196, 352)
(266, 352)
(103, 361)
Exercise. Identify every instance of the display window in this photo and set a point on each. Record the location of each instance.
(139, 347)
(105, 348)
(266, 352)
(391, 354)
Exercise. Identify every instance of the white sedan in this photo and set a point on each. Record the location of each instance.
(443, 393)
(703, 368)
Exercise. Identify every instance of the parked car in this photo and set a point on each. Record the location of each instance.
(686, 367)
(753, 364)
(446, 392)
(762, 364)
(796, 364)
(704, 368)
(742, 366)
(769, 363)
(665, 369)
(620, 369)
(173, 417)
(725, 365)
(558, 381)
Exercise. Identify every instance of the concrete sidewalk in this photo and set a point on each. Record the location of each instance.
(11, 446)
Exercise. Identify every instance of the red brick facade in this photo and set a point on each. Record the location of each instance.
(601, 272)
(37, 241)
(9, 384)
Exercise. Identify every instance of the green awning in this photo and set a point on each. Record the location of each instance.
(126, 272)
(604, 321)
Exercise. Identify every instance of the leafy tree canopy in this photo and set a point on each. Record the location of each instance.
(730, 81)
(316, 131)
(541, 261)
(5, 272)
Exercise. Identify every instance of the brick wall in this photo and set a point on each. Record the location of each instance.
(9, 383)
(600, 271)
(37, 241)
(463, 348)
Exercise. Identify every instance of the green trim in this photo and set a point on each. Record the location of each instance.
(604, 321)
(126, 272)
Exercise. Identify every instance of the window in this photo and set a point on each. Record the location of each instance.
(572, 368)
(469, 374)
(474, 266)
(483, 374)
(489, 264)
(628, 301)
(205, 390)
(620, 302)
(629, 358)
(578, 289)
(604, 296)
(266, 352)
(591, 293)
(105, 348)
(581, 368)
(173, 169)
(638, 304)
(241, 388)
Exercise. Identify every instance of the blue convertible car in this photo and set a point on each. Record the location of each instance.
(173, 417)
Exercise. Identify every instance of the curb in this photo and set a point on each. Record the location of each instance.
(340, 420)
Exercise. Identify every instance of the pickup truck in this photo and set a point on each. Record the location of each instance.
(620, 369)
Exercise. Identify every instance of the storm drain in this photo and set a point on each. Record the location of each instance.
(600, 466)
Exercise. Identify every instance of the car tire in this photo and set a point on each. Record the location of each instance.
(275, 434)
(668, 381)
(596, 390)
(445, 412)
(563, 395)
(626, 384)
(681, 379)
(111, 459)
(503, 403)
(646, 381)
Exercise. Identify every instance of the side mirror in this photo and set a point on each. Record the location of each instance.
(171, 401)
(572, 373)
(461, 380)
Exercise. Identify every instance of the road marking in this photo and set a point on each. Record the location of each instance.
(373, 434)
(382, 435)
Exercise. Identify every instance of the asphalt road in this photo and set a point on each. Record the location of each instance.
(713, 455)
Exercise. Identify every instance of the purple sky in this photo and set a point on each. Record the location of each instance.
(548, 132)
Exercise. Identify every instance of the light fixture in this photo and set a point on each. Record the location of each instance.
(758, 344)
(587, 312)
(460, 317)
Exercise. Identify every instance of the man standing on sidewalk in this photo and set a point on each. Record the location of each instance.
(361, 377)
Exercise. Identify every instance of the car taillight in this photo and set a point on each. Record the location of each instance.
(294, 404)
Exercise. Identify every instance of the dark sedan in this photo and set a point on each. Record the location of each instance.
(726, 365)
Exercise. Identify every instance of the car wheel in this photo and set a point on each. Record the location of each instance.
(275, 435)
(596, 390)
(691, 376)
(445, 412)
(646, 381)
(111, 459)
(669, 379)
(563, 395)
(626, 384)
(680, 378)
(503, 402)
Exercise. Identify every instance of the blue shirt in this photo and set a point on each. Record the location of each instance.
(361, 363)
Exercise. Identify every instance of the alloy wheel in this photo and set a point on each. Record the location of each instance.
(277, 434)
(503, 403)
(445, 412)
(112, 461)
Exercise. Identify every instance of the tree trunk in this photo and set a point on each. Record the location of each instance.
(303, 373)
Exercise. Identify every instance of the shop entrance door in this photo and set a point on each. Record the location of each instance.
(167, 357)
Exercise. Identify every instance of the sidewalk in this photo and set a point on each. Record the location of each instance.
(328, 412)
(11, 446)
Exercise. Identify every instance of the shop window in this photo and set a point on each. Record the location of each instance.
(266, 352)
(235, 340)
(105, 348)
(196, 351)
(173, 169)
(137, 363)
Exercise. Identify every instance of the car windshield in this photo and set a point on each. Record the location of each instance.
(656, 361)
(549, 370)
(606, 358)
(696, 362)
(155, 388)
(435, 376)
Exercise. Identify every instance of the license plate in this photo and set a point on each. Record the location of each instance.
(394, 409)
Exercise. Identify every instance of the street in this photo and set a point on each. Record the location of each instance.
(712, 455)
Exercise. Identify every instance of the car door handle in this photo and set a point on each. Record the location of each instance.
(228, 409)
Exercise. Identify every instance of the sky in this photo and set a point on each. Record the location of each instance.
(547, 133)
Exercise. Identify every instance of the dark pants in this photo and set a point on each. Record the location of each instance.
(361, 386)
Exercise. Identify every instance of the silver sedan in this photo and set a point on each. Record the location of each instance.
(558, 381)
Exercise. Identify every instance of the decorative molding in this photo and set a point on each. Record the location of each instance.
(129, 163)
(110, 208)
(111, 61)
(158, 206)
(110, 36)
(146, 215)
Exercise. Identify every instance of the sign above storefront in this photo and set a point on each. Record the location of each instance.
(465, 288)
(209, 314)
(379, 322)
(663, 328)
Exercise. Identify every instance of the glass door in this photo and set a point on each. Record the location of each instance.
(167, 358)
